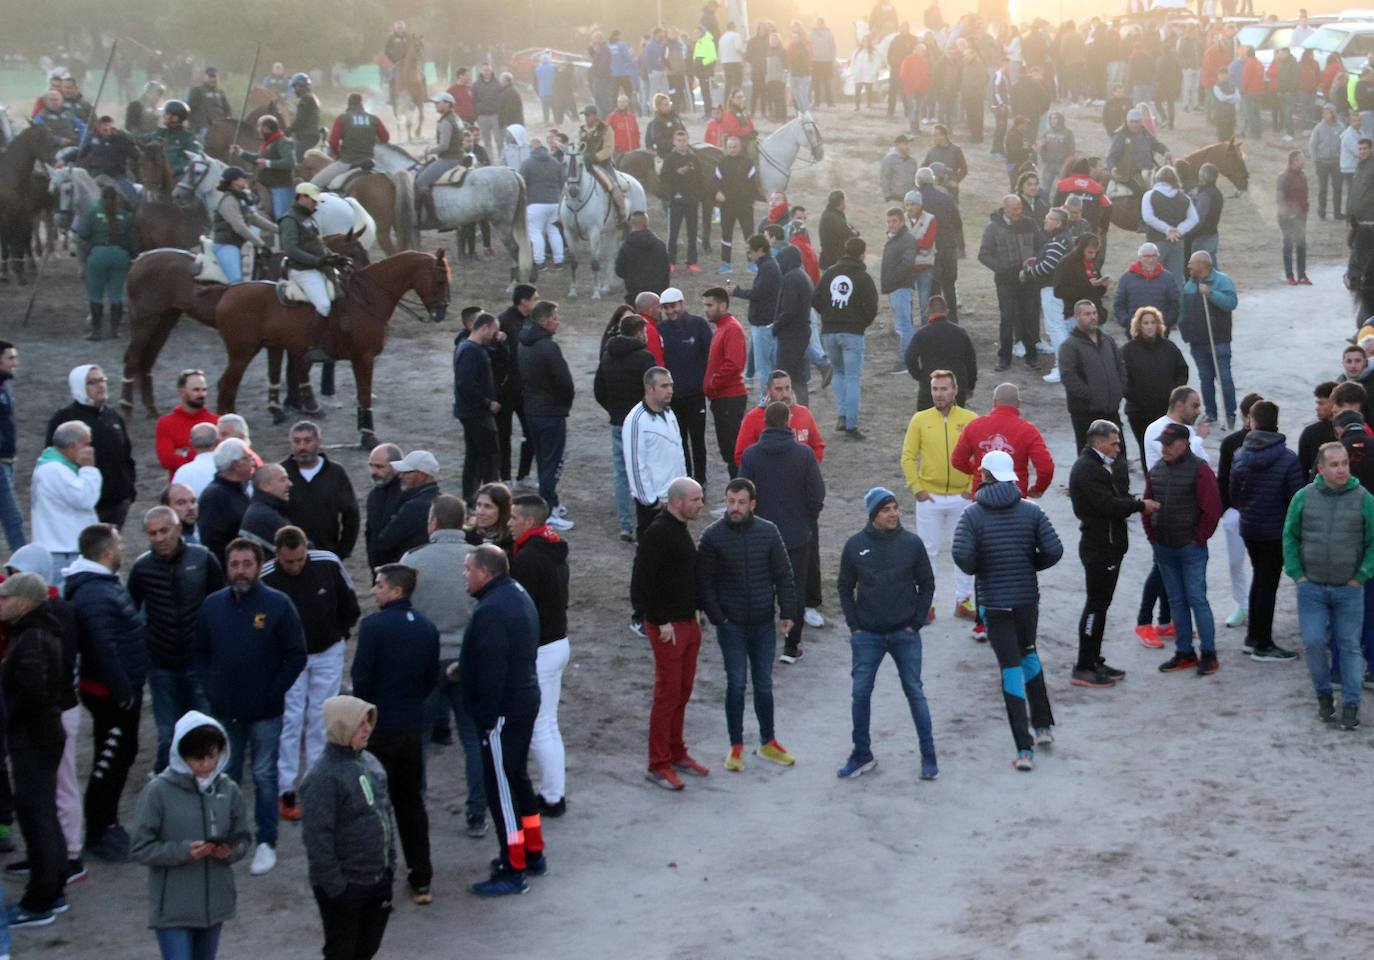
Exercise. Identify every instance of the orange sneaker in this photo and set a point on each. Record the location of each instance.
(1166, 630)
(287, 807)
(1148, 636)
(966, 610)
(930, 616)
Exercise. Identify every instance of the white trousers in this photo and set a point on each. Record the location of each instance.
(320, 680)
(546, 742)
(934, 517)
(315, 287)
(540, 218)
(1236, 557)
(69, 810)
(1056, 324)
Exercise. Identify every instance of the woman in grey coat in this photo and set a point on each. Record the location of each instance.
(188, 830)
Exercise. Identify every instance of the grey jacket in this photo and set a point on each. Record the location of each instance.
(896, 174)
(439, 591)
(1094, 376)
(543, 177)
(1325, 143)
(173, 811)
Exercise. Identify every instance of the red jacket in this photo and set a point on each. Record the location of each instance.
(725, 362)
(626, 127)
(1252, 76)
(734, 127)
(915, 73)
(174, 433)
(336, 134)
(1212, 61)
(655, 344)
(810, 262)
(1005, 429)
(462, 102)
(803, 427)
(715, 133)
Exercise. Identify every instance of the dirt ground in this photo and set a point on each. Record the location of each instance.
(1174, 817)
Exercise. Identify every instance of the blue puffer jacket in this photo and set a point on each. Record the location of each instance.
(114, 638)
(886, 583)
(1264, 477)
(1004, 541)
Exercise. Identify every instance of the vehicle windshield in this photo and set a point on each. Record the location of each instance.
(1254, 35)
(1282, 37)
(1327, 40)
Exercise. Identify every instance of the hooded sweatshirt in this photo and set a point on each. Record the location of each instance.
(539, 563)
(792, 320)
(515, 152)
(109, 438)
(175, 810)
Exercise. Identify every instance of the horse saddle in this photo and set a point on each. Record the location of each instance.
(340, 183)
(1120, 189)
(453, 177)
(290, 294)
(207, 267)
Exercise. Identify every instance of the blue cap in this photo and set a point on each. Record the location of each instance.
(876, 498)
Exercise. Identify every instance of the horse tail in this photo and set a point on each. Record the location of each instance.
(525, 261)
(405, 210)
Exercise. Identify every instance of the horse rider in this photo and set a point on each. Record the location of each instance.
(447, 153)
(305, 128)
(141, 114)
(274, 161)
(1131, 156)
(66, 128)
(111, 240)
(598, 147)
(352, 139)
(237, 222)
(176, 139)
(304, 251)
(396, 47)
(107, 155)
(276, 80)
(208, 103)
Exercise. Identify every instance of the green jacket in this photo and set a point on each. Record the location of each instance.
(176, 141)
(299, 239)
(704, 52)
(96, 230)
(1320, 539)
(280, 154)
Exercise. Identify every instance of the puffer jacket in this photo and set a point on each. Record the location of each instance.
(1006, 246)
(1093, 374)
(1137, 289)
(173, 811)
(741, 568)
(1153, 368)
(1004, 541)
(619, 381)
(543, 176)
(642, 262)
(114, 644)
(34, 679)
(544, 374)
(791, 493)
(899, 261)
(793, 317)
(885, 582)
(170, 590)
(1264, 476)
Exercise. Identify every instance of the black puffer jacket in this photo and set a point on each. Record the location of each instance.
(642, 262)
(265, 515)
(408, 527)
(382, 503)
(540, 565)
(544, 375)
(1102, 501)
(1264, 477)
(222, 507)
(1153, 368)
(619, 382)
(1006, 246)
(169, 591)
(741, 568)
(113, 451)
(791, 493)
(114, 639)
(1004, 541)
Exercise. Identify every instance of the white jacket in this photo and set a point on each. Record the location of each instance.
(653, 452)
(864, 66)
(62, 501)
(730, 48)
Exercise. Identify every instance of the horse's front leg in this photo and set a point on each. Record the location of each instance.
(594, 241)
(362, 376)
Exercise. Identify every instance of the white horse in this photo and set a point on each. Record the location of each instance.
(588, 213)
(74, 191)
(778, 152)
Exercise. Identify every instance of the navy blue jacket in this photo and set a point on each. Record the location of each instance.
(791, 492)
(114, 637)
(396, 665)
(7, 430)
(408, 526)
(792, 320)
(886, 583)
(763, 295)
(1003, 541)
(222, 507)
(500, 645)
(474, 387)
(741, 567)
(686, 345)
(249, 650)
(1264, 476)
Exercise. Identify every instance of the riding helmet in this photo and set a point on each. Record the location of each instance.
(176, 108)
(300, 79)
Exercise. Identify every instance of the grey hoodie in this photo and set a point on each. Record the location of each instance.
(173, 811)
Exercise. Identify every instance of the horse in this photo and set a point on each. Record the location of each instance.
(162, 286)
(73, 191)
(162, 222)
(249, 317)
(777, 154)
(18, 201)
(588, 213)
(220, 135)
(1227, 156)
(388, 196)
(409, 90)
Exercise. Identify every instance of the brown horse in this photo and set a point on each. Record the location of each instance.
(219, 137)
(409, 90)
(249, 317)
(1227, 156)
(162, 288)
(160, 222)
(19, 197)
(388, 197)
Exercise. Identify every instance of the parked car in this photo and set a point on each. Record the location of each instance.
(1352, 41)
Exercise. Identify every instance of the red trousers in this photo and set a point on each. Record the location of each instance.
(675, 670)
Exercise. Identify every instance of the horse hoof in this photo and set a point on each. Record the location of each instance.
(596, 294)
(367, 440)
(149, 413)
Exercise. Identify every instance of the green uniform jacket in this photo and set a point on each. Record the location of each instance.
(175, 142)
(96, 230)
(299, 239)
(280, 154)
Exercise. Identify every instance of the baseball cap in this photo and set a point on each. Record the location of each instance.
(998, 463)
(671, 295)
(30, 586)
(421, 460)
(590, 110)
(441, 98)
(939, 169)
(307, 189)
(1173, 433)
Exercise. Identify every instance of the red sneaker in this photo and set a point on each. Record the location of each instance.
(693, 268)
(1292, 282)
(288, 808)
(1148, 636)
(1304, 281)
(664, 777)
(688, 765)
(672, 268)
(980, 632)
(1166, 630)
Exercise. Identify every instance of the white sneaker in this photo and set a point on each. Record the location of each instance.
(264, 859)
(718, 511)
(331, 400)
(1018, 349)
(1044, 347)
(525, 483)
(813, 617)
(559, 518)
(1052, 376)
(1238, 617)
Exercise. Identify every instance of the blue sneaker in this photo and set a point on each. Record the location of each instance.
(1025, 761)
(929, 771)
(19, 917)
(60, 905)
(723, 268)
(534, 866)
(502, 883)
(856, 766)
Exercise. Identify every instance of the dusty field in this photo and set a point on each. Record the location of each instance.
(1174, 817)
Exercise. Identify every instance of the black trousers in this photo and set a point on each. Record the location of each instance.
(1152, 591)
(678, 212)
(800, 558)
(822, 82)
(1266, 561)
(1100, 573)
(691, 417)
(402, 755)
(757, 88)
(734, 78)
(946, 275)
(728, 414)
(1138, 425)
(504, 425)
(481, 448)
(354, 923)
(732, 213)
(643, 517)
(792, 358)
(973, 107)
(813, 567)
(510, 795)
(115, 749)
(35, 807)
(1011, 634)
(1019, 306)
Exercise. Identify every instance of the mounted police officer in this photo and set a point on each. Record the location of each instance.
(176, 139)
(141, 115)
(305, 253)
(447, 152)
(352, 139)
(305, 129)
(207, 103)
(395, 50)
(598, 147)
(107, 155)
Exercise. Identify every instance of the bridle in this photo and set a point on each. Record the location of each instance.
(189, 184)
(813, 140)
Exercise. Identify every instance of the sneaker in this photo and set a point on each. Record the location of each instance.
(723, 268)
(1350, 719)
(20, 868)
(693, 268)
(476, 826)
(1248, 646)
(1043, 346)
(1272, 651)
(1025, 761)
(264, 859)
(1110, 671)
(856, 766)
(1304, 281)
(76, 871)
(827, 375)
(929, 771)
(558, 518)
(421, 896)
(1166, 630)
(553, 810)
(980, 632)
(637, 626)
(1044, 736)
(840, 425)
(791, 653)
(734, 760)
(1052, 376)
(930, 616)
(627, 536)
(965, 610)
(19, 917)
(1018, 349)
(774, 751)
(854, 434)
(664, 777)
(1326, 708)
(1368, 680)
(289, 809)
(1090, 677)
(1207, 665)
(1001, 365)
(110, 848)
(537, 865)
(813, 618)
(689, 766)
(1179, 661)
(502, 883)
(672, 268)
(60, 905)
(1238, 617)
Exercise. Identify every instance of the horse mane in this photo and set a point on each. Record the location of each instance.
(31, 144)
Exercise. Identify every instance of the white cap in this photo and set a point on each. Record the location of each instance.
(671, 295)
(421, 460)
(441, 98)
(998, 463)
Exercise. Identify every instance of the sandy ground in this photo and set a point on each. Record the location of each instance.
(1175, 817)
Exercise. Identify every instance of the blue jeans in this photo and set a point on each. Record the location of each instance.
(1339, 609)
(11, 519)
(1208, 243)
(846, 352)
(801, 93)
(174, 693)
(1184, 571)
(814, 351)
(925, 279)
(1207, 375)
(188, 943)
(1171, 256)
(747, 647)
(765, 355)
(912, 103)
(263, 737)
(624, 512)
(905, 648)
(282, 198)
(451, 696)
(550, 437)
(230, 258)
(900, 302)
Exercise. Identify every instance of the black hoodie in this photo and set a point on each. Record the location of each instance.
(846, 297)
(540, 565)
(792, 321)
(544, 374)
(619, 382)
(642, 262)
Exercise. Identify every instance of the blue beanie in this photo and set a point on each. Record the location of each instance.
(876, 498)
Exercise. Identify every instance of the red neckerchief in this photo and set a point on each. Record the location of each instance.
(544, 530)
(274, 136)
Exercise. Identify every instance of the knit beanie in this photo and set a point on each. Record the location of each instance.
(876, 499)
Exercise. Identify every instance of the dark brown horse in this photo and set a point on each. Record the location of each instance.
(640, 165)
(160, 222)
(249, 317)
(19, 201)
(1227, 156)
(388, 197)
(219, 137)
(161, 289)
(409, 90)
